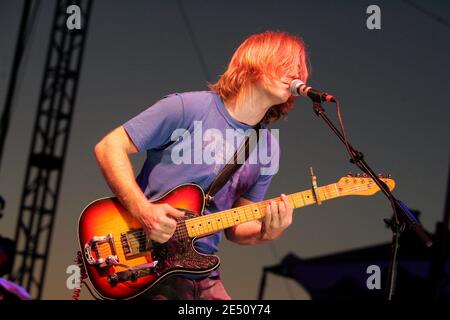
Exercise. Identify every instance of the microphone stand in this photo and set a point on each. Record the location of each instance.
(402, 216)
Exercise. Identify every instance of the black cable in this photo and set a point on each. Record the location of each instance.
(427, 12)
(29, 34)
(21, 55)
(193, 38)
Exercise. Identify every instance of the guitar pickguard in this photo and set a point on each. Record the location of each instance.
(178, 254)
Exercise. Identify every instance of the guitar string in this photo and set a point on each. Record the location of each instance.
(296, 197)
(182, 233)
(228, 214)
(179, 234)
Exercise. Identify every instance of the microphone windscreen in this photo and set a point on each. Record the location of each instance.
(294, 87)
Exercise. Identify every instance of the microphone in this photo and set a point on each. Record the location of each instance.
(298, 87)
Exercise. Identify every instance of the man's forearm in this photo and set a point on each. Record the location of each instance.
(247, 233)
(118, 172)
(158, 220)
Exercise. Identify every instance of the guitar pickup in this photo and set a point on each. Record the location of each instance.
(131, 274)
(134, 243)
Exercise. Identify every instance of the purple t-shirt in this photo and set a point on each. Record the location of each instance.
(187, 139)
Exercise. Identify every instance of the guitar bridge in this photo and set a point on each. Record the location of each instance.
(93, 247)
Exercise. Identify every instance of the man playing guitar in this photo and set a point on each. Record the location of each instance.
(253, 90)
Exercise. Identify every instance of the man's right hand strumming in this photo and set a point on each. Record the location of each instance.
(159, 220)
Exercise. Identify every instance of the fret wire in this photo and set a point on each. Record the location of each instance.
(330, 192)
(337, 189)
(210, 224)
(231, 216)
(223, 219)
(228, 219)
(253, 213)
(324, 193)
(293, 201)
(237, 217)
(323, 196)
(217, 224)
(303, 198)
(241, 216)
(327, 192)
(244, 215)
(249, 215)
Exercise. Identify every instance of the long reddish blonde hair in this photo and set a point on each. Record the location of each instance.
(260, 57)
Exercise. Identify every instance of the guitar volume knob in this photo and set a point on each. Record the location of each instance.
(113, 279)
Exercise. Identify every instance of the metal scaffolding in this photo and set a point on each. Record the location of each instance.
(48, 148)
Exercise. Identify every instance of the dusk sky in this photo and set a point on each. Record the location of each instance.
(393, 85)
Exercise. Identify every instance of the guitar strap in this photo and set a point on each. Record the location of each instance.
(232, 166)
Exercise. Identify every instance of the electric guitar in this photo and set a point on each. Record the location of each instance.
(122, 263)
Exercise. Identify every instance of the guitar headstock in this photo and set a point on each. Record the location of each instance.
(362, 185)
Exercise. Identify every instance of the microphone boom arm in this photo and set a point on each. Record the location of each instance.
(402, 215)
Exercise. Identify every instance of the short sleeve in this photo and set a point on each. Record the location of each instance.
(153, 127)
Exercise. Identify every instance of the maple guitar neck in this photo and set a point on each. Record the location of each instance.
(211, 223)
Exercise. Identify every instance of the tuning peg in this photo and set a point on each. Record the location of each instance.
(381, 175)
(364, 175)
(358, 175)
(389, 176)
(349, 174)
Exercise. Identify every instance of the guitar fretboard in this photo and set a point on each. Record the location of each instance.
(211, 223)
